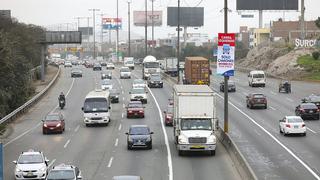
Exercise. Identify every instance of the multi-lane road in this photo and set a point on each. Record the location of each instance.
(101, 152)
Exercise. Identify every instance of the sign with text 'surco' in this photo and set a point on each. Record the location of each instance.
(225, 58)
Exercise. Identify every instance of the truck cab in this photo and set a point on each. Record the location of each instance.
(150, 66)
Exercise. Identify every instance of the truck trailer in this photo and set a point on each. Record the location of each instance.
(196, 71)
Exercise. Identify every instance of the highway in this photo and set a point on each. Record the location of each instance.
(101, 152)
(256, 131)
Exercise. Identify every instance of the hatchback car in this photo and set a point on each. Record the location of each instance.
(31, 165)
(110, 66)
(97, 67)
(155, 81)
(53, 122)
(231, 86)
(138, 94)
(308, 111)
(106, 75)
(106, 84)
(76, 73)
(125, 73)
(168, 115)
(138, 83)
(292, 125)
(139, 136)
(64, 172)
(114, 95)
(135, 109)
(256, 100)
(67, 64)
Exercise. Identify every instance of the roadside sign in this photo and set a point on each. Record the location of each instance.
(225, 58)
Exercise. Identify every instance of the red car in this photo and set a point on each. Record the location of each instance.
(256, 100)
(135, 109)
(168, 116)
(53, 123)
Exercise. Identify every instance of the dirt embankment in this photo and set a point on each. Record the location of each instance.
(276, 61)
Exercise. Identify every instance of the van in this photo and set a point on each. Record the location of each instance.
(96, 107)
(257, 78)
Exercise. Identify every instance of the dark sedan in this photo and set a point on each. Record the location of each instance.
(135, 109)
(53, 123)
(231, 86)
(139, 136)
(155, 81)
(307, 111)
(76, 73)
(256, 100)
(114, 95)
(97, 67)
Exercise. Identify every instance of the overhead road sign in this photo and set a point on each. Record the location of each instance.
(225, 58)
(62, 37)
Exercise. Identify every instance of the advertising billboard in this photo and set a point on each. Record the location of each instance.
(112, 23)
(139, 18)
(84, 30)
(225, 58)
(267, 4)
(189, 16)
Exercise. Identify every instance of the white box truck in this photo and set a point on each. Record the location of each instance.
(194, 118)
(170, 66)
(128, 62)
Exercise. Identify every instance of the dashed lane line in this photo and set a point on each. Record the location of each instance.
(116, 143)
(110, 162)
(120, 126)
(77, 128)
(66, 144)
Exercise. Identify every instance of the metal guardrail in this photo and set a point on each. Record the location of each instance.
(29, 103)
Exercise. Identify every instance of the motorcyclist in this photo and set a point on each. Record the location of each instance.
(62, 98)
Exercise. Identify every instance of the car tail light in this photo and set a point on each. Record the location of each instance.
(318, 110)
(288, 125)
(140, 111)
(130, 111)
(301, 110)
(303, 125)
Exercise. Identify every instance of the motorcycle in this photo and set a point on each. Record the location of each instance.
(62, 103)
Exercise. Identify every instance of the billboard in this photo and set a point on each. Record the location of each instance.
(112, 23)
(139, 18)
(62, 37)
(225, 58)
(267, 4)
(5, 13)
(84, 30)
(189, 16)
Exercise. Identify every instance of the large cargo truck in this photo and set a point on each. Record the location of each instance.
(196, 71)
(194, 118)
(150, 66)
(128, 62)
(170, 66)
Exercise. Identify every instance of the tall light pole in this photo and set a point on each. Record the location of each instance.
(129, 39)
(152, 23)
(117, 43)
(226, 78)
(146, 28)
(94, 31)
(302, 26)
(178, 43)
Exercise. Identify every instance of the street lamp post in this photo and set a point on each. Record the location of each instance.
(117, 43)
(94, 29)
(178, 44)
(129, 38)
(152, 20)
(146, 28)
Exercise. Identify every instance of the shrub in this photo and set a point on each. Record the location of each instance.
(315, 55)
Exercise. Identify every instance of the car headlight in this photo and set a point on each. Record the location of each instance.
(43, 169)
(106, 117)
(45, 125)
(58, 125)
(18, 170)
(148, 139)
(182, 140)
(116, 96)
(211, 139)
(152, 82)
(86, 118)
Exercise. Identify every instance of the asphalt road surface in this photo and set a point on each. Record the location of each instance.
(101, 152)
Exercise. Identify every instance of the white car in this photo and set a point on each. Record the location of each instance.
(110, 66)
(67, 64)
(138, 83)
(31, 165)
(292, 125)
(138, 94)
(125, 73)
(106, 84)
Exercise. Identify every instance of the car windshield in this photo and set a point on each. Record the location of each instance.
(138, 81)
(30, 159)
(155, 78)
(170, 110)
(258, 96)
(196, 124)
(314, 99)
(309, 106)
(110, 64)
(258, 75)
(151, 65)
(61, 175)
(106, 82)
(95, 105)
(295, 120)
(139, 131)
(137, 91)
(124, 70)
(52, 117)
(135, 105)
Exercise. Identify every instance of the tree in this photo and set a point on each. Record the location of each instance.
(317, 22)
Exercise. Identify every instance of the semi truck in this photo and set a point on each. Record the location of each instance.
(195, 119)
(170, 66)
(150, 66)
(128, 62)
(196, 71)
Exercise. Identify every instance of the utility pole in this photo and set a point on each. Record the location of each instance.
(302, 20)
(94, 31)
(226, 78)
(117, 43)
(178, 43)
(88, 33)
(129, 38)
(152, 25)
(146, 28)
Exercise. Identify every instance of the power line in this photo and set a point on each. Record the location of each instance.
(199, 3)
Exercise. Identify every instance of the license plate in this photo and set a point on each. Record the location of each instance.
(311, 111)
(30, 174)
(51, 128)
(296, 126)
(197, 147)
(135, 114)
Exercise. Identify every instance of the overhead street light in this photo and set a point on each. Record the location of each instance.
(94, 31)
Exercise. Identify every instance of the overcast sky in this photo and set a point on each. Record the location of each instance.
(50, 13)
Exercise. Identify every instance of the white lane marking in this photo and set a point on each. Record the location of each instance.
(272, 108)
(122, 92)
(120, 126)
(51, 163)
(165, 136)
(116, 143)
(273, 93)
(122, 98)
(69, 90)
(123, 105)
(66, 144)
(110, 162)
(77, 128)
(122, 115)
(289, 99)
(312, 130)
(276, 140)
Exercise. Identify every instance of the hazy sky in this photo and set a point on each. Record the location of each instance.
(53, 12)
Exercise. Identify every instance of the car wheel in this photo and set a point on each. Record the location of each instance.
(265, 107)
(280, 130)
(150, 146)
(87, 125)
(129, 147)
(180, 152)
(213, 152)
(304, 134)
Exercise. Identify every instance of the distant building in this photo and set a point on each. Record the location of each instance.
(290, 30)
(258, 36)
(5, 13)
(243, 36)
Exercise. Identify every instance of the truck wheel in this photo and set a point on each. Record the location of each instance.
(213, 152)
